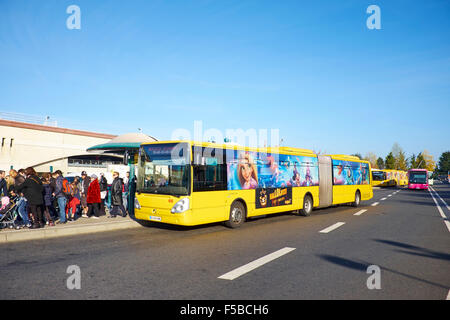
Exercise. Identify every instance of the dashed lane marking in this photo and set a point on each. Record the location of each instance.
(255, 264)
(360, 212)
(333, 227)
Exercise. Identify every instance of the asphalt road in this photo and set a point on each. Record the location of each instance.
(405, 235)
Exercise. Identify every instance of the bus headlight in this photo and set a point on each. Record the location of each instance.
(181, 206)
(137, 205)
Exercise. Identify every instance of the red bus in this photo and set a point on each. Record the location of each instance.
(418, 179)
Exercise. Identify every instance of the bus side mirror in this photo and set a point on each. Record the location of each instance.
(126, 158)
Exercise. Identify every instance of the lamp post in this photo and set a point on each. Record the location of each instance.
(129, 159)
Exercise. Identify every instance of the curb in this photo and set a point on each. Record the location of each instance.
(54, 232)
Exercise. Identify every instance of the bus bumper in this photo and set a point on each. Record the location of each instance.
(417, 186)
(163, 216)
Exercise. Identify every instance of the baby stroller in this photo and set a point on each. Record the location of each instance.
(8, 213)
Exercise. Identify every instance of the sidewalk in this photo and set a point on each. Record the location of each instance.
(80, 226)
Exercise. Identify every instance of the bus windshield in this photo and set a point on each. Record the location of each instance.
(164, 169)
(378, 176)
(418, 177)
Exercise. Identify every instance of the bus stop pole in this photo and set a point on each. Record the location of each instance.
(131, 184)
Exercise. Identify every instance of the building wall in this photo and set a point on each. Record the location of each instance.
(23, 145)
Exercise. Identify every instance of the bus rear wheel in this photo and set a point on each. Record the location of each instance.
(307, 206)
(237, 215)
(357, 199)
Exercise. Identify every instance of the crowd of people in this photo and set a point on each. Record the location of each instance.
(51, 198)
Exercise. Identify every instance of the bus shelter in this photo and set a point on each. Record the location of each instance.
(127, 146)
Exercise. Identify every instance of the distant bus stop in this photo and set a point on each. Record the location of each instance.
(127, 146)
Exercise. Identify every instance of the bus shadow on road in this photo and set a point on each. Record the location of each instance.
(255, 220)
(417, 191)
(421, 203)
(174, 227)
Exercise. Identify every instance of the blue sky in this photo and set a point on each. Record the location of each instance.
(311, 69)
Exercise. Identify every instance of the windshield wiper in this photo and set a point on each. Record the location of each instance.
(173, 194)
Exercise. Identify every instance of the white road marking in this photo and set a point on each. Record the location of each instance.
(389, 195)
(255, 264)
(447, 224)
(333, 227)
(382, 199)
(360, 212)
(438, 206)
(448, 208)
(375, 204)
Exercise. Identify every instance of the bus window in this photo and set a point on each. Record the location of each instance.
(378, 175)
(210, 171)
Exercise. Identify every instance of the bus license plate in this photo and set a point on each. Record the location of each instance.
(155, 218)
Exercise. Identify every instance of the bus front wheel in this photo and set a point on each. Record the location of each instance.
(307, 206)
(237, 215)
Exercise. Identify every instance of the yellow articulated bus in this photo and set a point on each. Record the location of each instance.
(401, 178)
(396, 177)
(191, 183)
(389, 178)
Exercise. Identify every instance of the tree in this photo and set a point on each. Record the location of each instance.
(389, 162)
(357, 155)
(401, 163)
(396, 149)
(420, 162)
(428, 161)
(444, 162)
(380, 163)
(412, 161)
(372, 158)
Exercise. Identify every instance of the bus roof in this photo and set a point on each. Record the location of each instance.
(282, 150)
(345, 157)
(287, 150)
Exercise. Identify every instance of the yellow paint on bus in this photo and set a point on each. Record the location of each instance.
(198, 189)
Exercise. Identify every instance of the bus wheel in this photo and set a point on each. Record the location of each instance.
(307, 206)
(237, 215)
(357, 199)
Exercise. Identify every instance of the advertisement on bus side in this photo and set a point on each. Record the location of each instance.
(273, 197)
(251, 170)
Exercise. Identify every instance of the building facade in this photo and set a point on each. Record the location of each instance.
(49, 148)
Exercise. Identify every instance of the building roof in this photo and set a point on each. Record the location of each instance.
(31, 126)
(124, 141)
